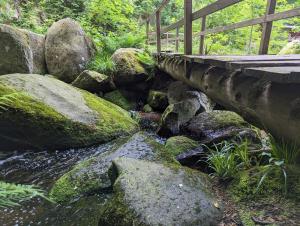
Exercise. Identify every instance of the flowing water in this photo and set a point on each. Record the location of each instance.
(43, 169)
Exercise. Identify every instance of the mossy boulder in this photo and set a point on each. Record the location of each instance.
(128, 68)
(215, 126)
(158, 100)
(40, 112)
(147, 193)
(291, 48)
(94, 82)
(92, 174)
(118, 98)
(147, 108)
(21, 51)
(67, 49)
(180, 144)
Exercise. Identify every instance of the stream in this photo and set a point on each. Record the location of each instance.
(43, 169)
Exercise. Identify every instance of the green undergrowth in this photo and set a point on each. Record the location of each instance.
(13, 194)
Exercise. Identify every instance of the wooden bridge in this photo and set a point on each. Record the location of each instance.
(264, 89)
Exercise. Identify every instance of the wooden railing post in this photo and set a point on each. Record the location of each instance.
(158, 32)
(188, 29)
(147, 31)
(177, 40)
(267, 28)
(202, 37)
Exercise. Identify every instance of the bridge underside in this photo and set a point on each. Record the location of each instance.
(265, 90)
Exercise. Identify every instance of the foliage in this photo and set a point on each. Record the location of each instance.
(13, 194)
(283, 150)
(223, 161)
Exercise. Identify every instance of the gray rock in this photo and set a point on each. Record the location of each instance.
(215, 126)
(176, 115)
(94, 82)
(21, 51)
(42, 112)
(92, 174)
(128, 67)
(152, 194)
(67, 50)
(178, 91)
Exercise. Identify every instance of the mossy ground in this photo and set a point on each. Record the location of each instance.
(269, 203)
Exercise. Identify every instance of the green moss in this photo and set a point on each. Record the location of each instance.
(226, 118)
(118, 98)
(158, 100)
(40, 126)
(180, 144)
(147, 108)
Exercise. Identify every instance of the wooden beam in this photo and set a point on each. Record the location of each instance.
(260, 20)
(202, 37)
(188, 29)
(158, 32)
(214, 7)
(147, 31)
(177, 40)
(159, 9)
(267, 28)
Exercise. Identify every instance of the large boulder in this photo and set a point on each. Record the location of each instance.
(42, 112)
(291, 48)
(21, 51)
(128, 67)
(147, 193)
(215, 126)
(67, 50)
(92, 174)
(94, 82)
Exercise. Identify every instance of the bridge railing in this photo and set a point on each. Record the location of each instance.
(190, 16)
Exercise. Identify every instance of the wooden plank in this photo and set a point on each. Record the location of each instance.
(267, 28)
(158, 32)
(188, 28)
(147, 31)
(246, 64)
(275, 74)
(202, 37)
(260, 20)
(177, 40)
(214, 7)
(221, 61)
(171, 27)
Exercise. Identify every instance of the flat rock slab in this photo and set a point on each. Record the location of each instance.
(147, 193)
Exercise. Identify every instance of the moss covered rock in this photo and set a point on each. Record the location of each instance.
(158, 100)
(94, 82)
(180, 144)
(119, 99)
(147, 193)
(67, 50)
(291, 48)
(128, 67)
(42, 112)
(216, 126)
(21, 51)
(92, 174)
